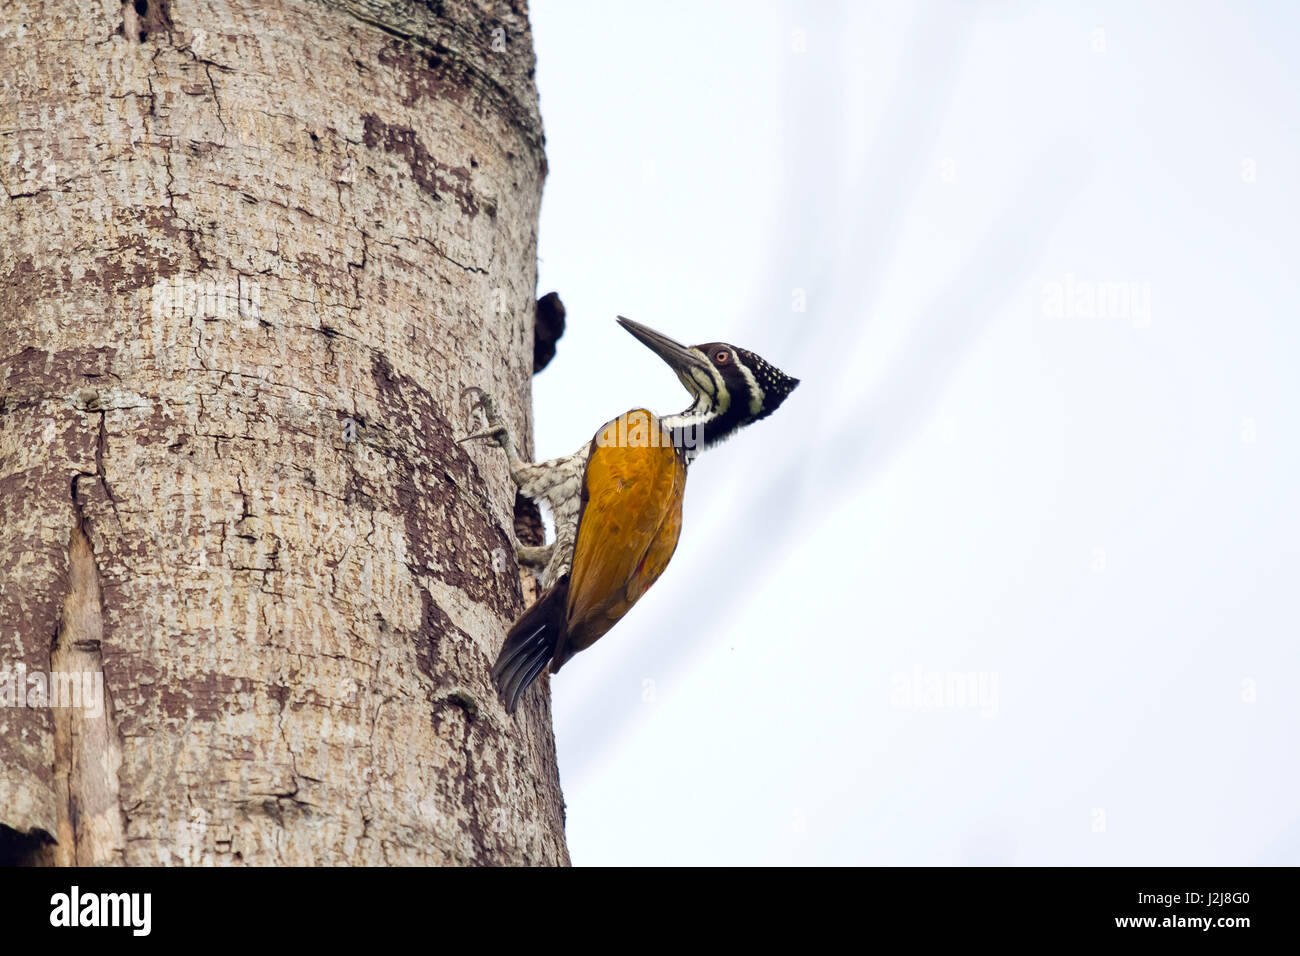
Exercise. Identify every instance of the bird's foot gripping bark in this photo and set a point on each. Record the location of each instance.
(525, 475)
(534, 557)
(496, 429)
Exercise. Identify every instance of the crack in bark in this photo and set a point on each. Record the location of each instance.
(460, 265)
(207, 68)
(87, 746)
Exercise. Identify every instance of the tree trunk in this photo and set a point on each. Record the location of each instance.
(252, 254)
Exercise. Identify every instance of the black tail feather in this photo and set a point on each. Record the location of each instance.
(530, 644)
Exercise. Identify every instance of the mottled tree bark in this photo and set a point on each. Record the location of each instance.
(252, 254)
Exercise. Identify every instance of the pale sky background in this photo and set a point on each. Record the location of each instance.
(1093, 511)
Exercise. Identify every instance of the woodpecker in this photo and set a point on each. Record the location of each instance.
(617, 501)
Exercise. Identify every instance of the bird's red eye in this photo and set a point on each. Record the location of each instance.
(721, 356)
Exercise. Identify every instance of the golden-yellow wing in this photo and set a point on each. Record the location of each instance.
(634, 486)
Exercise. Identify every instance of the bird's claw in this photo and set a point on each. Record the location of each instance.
(533, 556)
(496, 429)
(496, 434)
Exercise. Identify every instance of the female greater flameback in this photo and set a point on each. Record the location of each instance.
(617, 502)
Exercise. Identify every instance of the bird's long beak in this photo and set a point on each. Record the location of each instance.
(679, 358)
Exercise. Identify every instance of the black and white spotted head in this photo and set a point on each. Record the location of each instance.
(730, 387)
